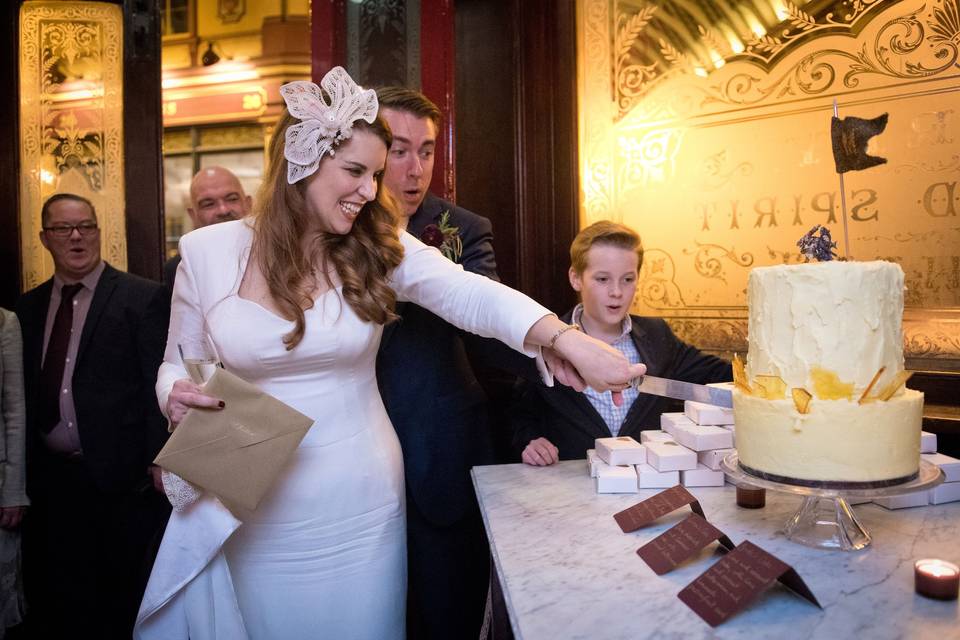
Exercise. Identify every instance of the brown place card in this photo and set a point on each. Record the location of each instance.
(736, 580)
(680, 543)
(643, 513)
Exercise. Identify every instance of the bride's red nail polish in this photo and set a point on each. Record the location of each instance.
(221, 404)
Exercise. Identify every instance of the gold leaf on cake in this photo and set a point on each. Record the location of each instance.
(866, 392)
(898, 381)
(801, 399)
(740, 375)
(827, 386)
(771, 387)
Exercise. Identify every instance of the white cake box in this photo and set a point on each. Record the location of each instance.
(620, 451)
(733, 432)
(950, 466)
(669, 420)
(928, 442)
(946, 492)
(611, 479)
(707, 414)
(592, 462)
(650, 478)
(711, 459)
(916, 499)
(702, 477)
(670, 456)
(655, 436)
(701, 438)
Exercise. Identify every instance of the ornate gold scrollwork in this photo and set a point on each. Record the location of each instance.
(710, 136)
(707, 259)
(71, 120)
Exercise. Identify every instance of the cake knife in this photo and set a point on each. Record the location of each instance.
(684, 390)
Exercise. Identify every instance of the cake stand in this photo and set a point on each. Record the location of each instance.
(825, 519)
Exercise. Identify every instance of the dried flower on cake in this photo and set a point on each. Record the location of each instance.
(817, 244)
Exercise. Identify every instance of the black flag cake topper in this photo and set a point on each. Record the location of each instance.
(850, 137)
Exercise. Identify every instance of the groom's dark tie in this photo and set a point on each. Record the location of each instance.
(51, 375)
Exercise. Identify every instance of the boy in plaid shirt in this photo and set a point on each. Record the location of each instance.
(558, 423)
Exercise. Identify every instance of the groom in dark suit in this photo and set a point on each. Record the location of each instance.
(432, 395)
(93, 339)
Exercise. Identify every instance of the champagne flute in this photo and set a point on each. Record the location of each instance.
(199, 356)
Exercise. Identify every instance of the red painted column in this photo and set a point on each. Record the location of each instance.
(328, 42)
(437, 62)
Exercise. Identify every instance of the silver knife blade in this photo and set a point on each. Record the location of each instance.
(684, 390)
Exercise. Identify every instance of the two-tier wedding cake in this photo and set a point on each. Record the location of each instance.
(822, 396)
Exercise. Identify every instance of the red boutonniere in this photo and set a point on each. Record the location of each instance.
(443, 236)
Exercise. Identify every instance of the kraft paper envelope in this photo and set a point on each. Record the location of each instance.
(235, 453)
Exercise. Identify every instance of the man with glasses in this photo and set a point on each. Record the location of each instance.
(216, 195)
(93, 340)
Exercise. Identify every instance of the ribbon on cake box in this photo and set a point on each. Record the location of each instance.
(643, 513)
(738, 579)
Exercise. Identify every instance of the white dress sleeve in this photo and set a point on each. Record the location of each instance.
(186, 318)
(467, 300)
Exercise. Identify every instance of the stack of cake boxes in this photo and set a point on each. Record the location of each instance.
(687, 451)
(949, 491)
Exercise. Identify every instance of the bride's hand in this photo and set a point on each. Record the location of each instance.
(597, 364)
(563, 372)
(185, 395)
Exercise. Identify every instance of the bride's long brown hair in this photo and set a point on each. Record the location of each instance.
(362, 258)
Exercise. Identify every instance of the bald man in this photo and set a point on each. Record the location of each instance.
(216, 195)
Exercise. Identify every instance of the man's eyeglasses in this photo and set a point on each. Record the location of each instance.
(66, 230)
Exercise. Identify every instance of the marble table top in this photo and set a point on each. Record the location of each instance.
(568, 571)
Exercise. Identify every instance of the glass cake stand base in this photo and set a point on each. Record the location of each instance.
(825, 519)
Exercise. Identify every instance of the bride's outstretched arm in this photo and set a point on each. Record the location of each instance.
(489, 309)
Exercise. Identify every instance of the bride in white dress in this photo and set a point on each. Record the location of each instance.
(323, 556)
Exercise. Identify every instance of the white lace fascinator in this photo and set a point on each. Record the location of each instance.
(322, 126)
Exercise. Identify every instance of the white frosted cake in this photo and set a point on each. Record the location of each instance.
(822, 397)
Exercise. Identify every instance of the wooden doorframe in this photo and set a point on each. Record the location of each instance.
(143, 139)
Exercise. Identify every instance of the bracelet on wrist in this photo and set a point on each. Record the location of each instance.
(560, 332)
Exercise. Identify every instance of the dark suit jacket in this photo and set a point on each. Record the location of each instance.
(121, 347)
(567, 419)
(170, 274)
(428, 386)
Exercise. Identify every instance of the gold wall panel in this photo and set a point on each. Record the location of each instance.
(705, 125)
(71, 121)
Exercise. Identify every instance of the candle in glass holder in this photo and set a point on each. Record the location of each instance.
(937, 578)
